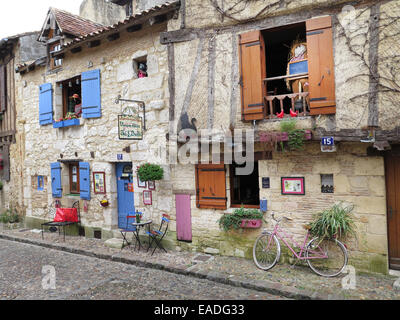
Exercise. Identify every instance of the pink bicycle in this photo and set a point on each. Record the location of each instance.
(326, 257)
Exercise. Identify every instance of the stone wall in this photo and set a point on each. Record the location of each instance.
(45, 144)
(358, 180)
(101, 11)
(208, 80)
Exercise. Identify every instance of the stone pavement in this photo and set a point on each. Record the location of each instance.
(298, 282)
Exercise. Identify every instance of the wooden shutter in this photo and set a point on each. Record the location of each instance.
(56, 186)
(45, 104)
(253, 72)
(211, 186)
(84, 180)
(3, 88)
(321, 66)
(91, 94)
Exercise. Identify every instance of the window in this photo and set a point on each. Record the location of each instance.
(327, 183)
(140, 67)
(74, 178)
(54, 62)
(40, 183)
(211, 186)
(245, 189)
(275, 86)
(71, 97)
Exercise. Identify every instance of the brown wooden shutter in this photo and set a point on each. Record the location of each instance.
(3, 88)
(253, 72)
(211, 186)
(321, 66)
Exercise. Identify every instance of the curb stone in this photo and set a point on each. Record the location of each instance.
(258, 285)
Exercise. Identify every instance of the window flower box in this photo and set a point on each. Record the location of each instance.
(251, 223)
(71, 122)
(58, 124)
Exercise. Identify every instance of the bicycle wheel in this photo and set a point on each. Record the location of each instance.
(266, 251)
(334, 260)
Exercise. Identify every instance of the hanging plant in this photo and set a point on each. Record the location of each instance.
(296, 137)
(240, 218)
(150, 172)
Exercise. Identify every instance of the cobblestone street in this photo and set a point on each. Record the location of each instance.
(84, 278)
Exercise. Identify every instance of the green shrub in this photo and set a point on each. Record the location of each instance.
(150, 172)
(9, 216)
(295, 136)
(233, 221)
(335, 222)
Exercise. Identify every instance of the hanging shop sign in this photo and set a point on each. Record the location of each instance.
(130, 127)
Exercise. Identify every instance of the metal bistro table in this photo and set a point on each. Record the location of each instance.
(138, 226)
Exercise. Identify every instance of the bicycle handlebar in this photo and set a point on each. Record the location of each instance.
(283, 217)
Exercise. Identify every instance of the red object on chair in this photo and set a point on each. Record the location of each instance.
(66, 215)
(293, 114)
(280, 115)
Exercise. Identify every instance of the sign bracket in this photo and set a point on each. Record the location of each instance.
(142, 103)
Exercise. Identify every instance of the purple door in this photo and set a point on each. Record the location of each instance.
(183, 217)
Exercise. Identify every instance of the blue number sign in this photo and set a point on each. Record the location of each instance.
(327, 141)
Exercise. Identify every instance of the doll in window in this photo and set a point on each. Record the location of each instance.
(142, 70)
(76, 105)
(298, 63)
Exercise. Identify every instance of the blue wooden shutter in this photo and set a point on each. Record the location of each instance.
(84, 180)
(56, 186)
(45, 104)
(91, 94)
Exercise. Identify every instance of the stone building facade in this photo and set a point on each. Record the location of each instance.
(97, 70)
(197, 79)
(13, 51)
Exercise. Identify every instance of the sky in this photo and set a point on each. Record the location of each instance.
(19, 16)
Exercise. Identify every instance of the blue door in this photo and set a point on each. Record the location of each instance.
(126, 204)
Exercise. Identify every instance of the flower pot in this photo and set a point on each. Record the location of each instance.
(251, 223)
(104, 204)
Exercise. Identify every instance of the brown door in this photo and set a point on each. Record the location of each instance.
(392, 164)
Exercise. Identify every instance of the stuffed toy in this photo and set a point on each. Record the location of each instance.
(298, 52)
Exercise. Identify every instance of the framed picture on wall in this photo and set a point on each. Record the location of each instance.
(99, 181)
(141, 184)
(152, 185)
(147, 198)
(293, 185)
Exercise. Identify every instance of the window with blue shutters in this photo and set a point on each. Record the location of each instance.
(84, 180)
(56, 186)
(45, 104)
(91, 94)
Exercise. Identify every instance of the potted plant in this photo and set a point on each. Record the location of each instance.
(150, 172)
(241, 218)
(104, 203)
(334, 223)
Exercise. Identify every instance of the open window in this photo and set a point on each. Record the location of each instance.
(55, 62)
(71, 97)
(288, 71)
(245, 190)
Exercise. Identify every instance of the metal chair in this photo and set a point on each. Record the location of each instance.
(129, 228)
(158, 235)
(53, 225)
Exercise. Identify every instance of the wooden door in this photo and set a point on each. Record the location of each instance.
(392, 164)
(126, 204)
(183, 217)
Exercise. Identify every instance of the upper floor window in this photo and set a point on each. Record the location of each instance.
(54, 62)
(288, 71)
